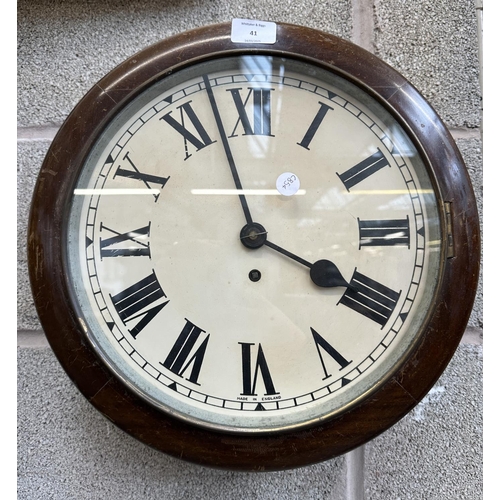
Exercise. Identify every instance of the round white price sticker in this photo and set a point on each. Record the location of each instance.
(287, 184)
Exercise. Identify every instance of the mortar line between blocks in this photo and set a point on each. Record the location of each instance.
(37, 133)
(363, 24)
(355, 488)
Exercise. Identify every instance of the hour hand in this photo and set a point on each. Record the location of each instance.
(326, 274)
(323, 272)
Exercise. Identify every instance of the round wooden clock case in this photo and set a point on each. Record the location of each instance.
(253, 256)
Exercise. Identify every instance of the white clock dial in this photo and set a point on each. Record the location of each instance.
(235, 302)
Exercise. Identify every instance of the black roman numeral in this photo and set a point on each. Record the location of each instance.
(147, 179)
(111, 247)
(261, 111)
(363, 169)
(142, 301)
(388, 232)
(318, 119)
(177, 360)
(186, 111)
(249, 381)
(329, 349)
(370, 298)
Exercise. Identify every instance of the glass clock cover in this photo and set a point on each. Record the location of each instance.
(217, 294)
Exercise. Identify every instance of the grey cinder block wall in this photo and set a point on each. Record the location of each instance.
(67, 450)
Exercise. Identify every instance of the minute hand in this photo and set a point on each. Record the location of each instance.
(227, 149)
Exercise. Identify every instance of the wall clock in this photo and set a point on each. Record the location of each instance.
(253, 256)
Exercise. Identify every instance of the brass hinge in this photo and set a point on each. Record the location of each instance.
(450, 247)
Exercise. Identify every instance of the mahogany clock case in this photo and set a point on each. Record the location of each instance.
(397, 394)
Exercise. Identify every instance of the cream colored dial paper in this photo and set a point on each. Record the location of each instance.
(254, 242)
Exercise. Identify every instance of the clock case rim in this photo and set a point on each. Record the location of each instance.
(384, 406)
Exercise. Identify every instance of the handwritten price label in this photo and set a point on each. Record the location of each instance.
(251, 31)
(287, 184)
